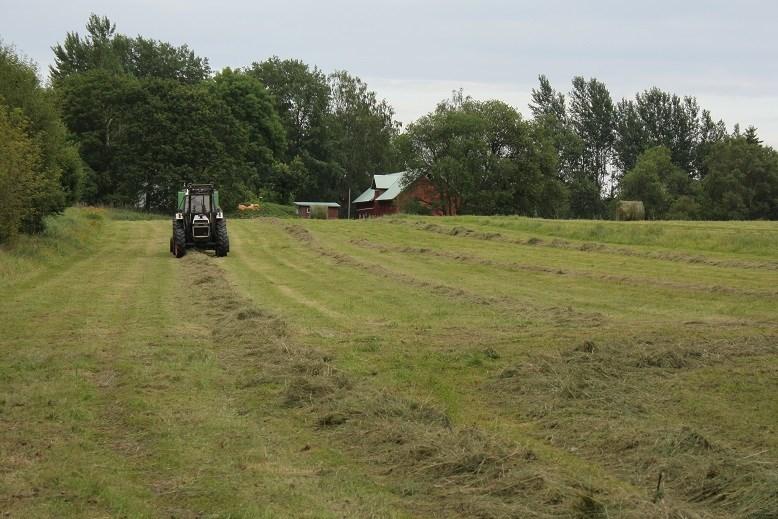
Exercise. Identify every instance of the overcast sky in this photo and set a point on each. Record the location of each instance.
(414, 53)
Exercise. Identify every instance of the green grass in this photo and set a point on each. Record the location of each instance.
(401, 367)
(755, 238)
(66, 237)
(133, 215)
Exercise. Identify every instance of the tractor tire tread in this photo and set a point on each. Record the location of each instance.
(222, 239)
(179, 240)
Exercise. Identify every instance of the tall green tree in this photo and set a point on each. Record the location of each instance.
(448, 148)
(549, 109)
(484, 159)
(658, 118)
(547, 102)
(710, 133)
(302, 100)
(742, 181)
(751, 136)
(94, 107)
(338, 131)
(20, 174)
(143, 138)
(171, 134)
(362, 129)
(592, 117)
(258, 146)
(102, 48)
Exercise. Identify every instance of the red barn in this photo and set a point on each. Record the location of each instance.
(393, 193)
(304, 209)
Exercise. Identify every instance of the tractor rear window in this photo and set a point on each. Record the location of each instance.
(200, 204)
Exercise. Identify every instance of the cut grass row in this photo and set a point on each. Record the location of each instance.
(672, 338)
(118, 399)
(751, 238)
(390, 368)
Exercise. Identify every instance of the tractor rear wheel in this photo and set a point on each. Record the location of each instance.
(178, 242)
(222, 240)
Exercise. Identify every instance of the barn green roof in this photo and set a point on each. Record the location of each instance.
(396, 187)
(386, 181)
(392, 183)
(367, 196)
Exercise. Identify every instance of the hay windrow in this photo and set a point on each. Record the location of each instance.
(609, 381)
(525, 267)
(378, 270)
(560, 316)
(438, 467)
(413, 447)
(558, 243)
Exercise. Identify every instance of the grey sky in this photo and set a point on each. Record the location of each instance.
(416, 53)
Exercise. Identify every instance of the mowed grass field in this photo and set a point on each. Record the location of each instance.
(400, 367)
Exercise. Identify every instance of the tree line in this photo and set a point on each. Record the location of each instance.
(581, 153)
(127, 120)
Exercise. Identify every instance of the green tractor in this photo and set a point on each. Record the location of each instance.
(199, 221)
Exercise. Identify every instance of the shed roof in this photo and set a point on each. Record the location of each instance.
(311, 204)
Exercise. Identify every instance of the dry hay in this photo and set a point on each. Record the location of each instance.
(434, 466)
(540, 269)
(598, 399)
(440, 468)
(559, 243)
(558, 316)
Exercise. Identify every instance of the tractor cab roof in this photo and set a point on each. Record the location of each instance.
(200, 189)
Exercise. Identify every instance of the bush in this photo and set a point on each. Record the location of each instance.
(684, 208)
(415, 206)
(319, 212)
(50, 175)
(21, 181)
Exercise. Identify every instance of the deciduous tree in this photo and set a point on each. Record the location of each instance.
(102, 48)
(362, 129)
(742, 181)
(484, 159)
(57, 165)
